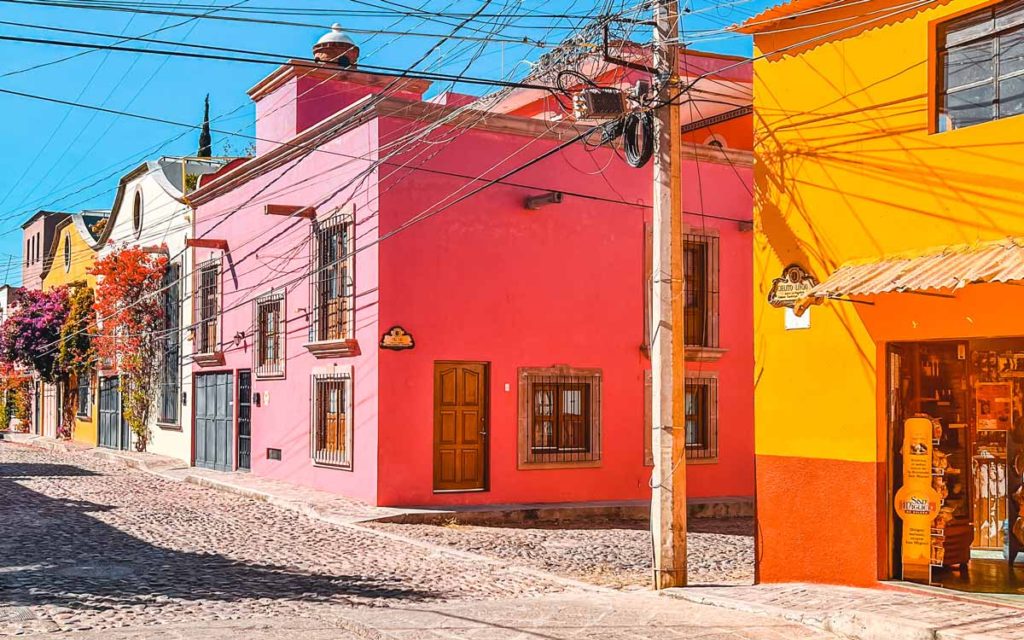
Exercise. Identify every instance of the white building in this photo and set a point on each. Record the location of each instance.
(150, 211)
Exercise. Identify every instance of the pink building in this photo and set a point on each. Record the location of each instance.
(373, 318)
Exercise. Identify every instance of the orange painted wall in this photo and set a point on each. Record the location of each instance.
(848, 169)
(805, 494)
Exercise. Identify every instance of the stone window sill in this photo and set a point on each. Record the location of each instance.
(333, 348)
(704, 354)
(215, 359)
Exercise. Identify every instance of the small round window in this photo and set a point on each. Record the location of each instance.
(67, 253)
(137, 213)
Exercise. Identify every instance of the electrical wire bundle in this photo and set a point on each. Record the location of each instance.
(638, 138)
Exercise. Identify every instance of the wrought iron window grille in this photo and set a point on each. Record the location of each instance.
(331, 432)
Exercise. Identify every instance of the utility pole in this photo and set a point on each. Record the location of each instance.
(668, 498)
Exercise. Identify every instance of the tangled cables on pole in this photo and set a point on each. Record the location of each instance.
(638, 138)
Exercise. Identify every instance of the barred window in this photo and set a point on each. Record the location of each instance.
(981, 66)
(700, 276)
(331, 282)
(332, 420)
(559, 416)
(207, 302)
(270, 335)
(170, 361)
(84, 409)
(701, 408)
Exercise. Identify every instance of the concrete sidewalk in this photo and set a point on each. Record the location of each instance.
(891, 613)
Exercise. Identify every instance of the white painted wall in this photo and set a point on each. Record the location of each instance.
(166, 220)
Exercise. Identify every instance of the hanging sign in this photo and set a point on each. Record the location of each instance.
(397, 339)
(917, 502)
(790, 287)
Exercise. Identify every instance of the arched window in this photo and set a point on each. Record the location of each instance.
(137, 214)
(67, 254)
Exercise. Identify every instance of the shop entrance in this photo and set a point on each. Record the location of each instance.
(970, 394)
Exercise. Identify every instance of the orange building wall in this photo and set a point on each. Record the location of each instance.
(847, 168)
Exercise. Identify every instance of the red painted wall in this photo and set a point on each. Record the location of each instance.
(488, 280)
(484, 280)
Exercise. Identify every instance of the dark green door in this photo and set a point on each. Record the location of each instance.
(214, 420)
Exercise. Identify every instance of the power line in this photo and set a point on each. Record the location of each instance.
(325, 27)
(284, 60)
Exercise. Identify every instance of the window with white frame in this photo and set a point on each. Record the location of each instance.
(981, 66)
(207, 303)
(559, 416)
(332, 420)
(269, 335)
(332, 282)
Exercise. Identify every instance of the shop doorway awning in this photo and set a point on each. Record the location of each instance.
(943, 269)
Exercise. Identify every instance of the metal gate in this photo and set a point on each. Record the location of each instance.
(113, 430)
(214, 420)
(244, 419)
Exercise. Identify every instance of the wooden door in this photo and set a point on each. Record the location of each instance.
(460, 426)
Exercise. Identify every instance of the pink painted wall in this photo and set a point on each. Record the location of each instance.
(269, 252)
(303, 100)
(485, 280)
(488, 280)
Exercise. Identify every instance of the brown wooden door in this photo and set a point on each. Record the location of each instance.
(460, 426)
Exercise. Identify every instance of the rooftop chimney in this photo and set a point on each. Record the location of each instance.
(335, 46)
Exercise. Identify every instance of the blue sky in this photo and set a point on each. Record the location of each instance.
(67, 158)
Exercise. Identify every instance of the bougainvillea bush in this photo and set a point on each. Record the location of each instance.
(31, 334)
(15, 391)
(130, 313)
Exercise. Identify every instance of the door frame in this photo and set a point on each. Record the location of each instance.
(234, 416)
(486, 472)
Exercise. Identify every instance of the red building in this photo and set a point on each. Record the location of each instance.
(376, 315)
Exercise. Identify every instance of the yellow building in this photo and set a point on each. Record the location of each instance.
(888, 150)
(69, 261)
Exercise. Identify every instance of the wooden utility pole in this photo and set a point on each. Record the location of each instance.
(668, 499)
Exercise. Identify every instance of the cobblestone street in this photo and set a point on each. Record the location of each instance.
(616, 554)
(90, 545)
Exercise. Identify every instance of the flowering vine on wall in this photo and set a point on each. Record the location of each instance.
(129, 310)
(30, 336)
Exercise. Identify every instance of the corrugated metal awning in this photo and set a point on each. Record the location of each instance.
(945, 268)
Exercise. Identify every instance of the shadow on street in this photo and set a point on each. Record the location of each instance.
(58, 552)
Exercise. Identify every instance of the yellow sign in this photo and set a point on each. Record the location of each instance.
(917, 502)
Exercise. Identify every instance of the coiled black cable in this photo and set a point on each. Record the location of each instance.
(638, 138)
